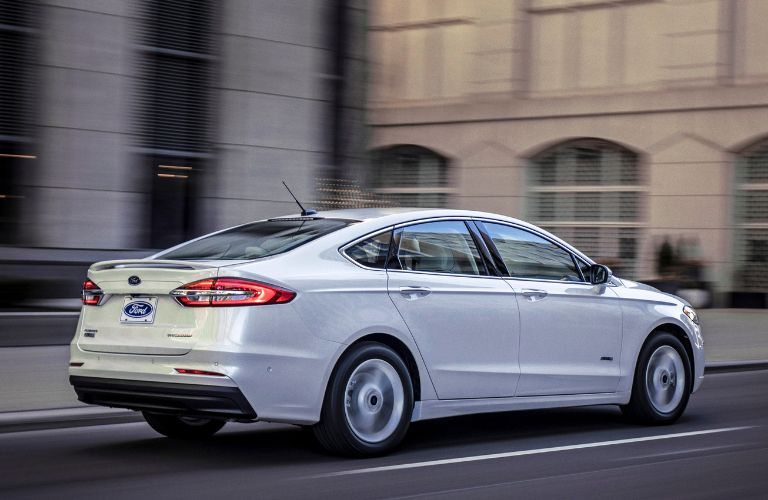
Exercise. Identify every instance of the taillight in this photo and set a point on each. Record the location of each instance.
(219, 292)
(92, 294)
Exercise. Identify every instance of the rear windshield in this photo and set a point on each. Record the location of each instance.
(260, 239)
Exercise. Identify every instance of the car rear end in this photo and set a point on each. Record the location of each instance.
(135, 344)
(198, 338)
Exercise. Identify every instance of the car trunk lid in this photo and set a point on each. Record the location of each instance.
(137, 314)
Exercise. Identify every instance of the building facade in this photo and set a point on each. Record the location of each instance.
(617, 124)
(139, 123)
(132, 125)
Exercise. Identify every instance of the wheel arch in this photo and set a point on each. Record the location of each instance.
(400, 348)
(396, 345)
(681, 335)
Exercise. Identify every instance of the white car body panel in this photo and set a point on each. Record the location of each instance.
(473, 355)
(281, 356)
(566, 337)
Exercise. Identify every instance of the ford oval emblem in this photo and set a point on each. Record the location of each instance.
(134, 280)
(138, 309)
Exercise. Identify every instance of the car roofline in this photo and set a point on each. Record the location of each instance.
(392, 216)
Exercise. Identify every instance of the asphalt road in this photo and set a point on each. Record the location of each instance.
(719, 449)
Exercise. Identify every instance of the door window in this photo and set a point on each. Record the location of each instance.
(439, 247)
(527, 255)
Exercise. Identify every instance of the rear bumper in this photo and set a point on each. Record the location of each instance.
(164, 397)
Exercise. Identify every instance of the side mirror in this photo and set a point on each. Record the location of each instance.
(599, 274)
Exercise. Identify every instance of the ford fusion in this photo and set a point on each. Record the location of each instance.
(356, 323)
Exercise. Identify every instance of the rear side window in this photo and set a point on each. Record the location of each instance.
(439, 247)
(259, 239)
(371, 252)
(527, 255)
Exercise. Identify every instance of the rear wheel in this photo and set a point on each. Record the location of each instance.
(662, 381)
(178, 427)
(369, 402)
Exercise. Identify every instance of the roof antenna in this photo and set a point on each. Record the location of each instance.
(304, 211)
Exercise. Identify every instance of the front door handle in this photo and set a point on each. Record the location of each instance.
(534, 295)
(414, 292)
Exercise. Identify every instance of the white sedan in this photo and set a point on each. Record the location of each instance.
(359, 322)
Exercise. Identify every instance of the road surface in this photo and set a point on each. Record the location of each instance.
(719, 449)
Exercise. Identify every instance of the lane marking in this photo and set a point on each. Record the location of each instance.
(520, 453)
(556, 477)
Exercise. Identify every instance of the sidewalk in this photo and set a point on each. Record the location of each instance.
(34, 379)
(735, 334)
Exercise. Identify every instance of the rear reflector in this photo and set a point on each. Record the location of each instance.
(187, 371)
(219, 292)
(92, 294)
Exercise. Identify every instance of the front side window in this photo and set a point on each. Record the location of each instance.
(439, 247)
(527, 255)
(371, 252)
(256, 240)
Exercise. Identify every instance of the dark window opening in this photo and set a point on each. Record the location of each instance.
(412, 176)
(17, 111)
(174, 112)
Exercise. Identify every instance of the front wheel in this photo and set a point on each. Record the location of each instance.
(369, 402)
(662, 382)
(177, 427)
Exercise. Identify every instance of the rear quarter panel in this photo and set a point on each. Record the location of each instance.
(341, 302)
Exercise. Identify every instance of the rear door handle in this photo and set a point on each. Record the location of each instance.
(414, 292)
(534, 295)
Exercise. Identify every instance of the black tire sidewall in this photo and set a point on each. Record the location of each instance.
(334, 407)
(173, 426)
(640, 390)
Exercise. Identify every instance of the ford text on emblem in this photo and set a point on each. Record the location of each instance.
(138, 309)
(134, 280)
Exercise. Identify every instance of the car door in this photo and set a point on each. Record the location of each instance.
(570, 330)
(464, 321)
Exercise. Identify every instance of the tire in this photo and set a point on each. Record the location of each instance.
(177, 427)
(659, 397)
(368, 404)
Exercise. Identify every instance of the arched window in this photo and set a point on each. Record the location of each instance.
(751, 238)
(411, 176)
(590, 193)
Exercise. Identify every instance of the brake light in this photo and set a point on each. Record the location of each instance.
(92, 294)
(220, 292)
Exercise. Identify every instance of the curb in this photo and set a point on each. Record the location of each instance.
(83, 416)
(736, 366)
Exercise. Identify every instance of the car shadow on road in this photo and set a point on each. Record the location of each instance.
(600, 422)
(132, 452)
(273, 445)
(512, 426)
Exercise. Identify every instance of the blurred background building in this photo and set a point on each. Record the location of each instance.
(130, 125)
(635, 129)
